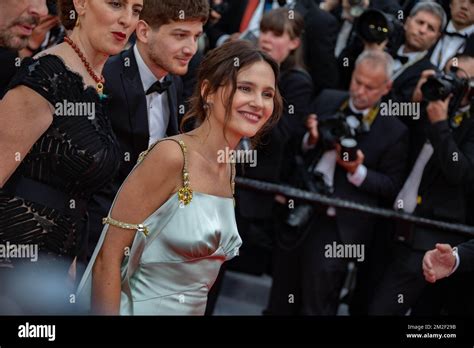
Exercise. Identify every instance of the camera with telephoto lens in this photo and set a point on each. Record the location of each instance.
(337, 129)
(441, 85)
(374, 26)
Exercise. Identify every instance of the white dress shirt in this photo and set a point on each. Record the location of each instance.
(157, 104)
(448, 46)
(407, 197)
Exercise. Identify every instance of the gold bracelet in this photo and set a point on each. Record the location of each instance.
(124, 225)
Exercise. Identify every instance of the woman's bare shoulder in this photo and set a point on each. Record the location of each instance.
(166, 153)
(58, 50)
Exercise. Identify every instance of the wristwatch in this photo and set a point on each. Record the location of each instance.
(456, 257)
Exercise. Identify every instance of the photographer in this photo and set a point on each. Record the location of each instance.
(350, 11)
(436, 188)
(349, 43)
(410, 50)
(376, 173)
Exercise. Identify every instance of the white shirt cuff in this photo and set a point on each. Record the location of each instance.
(456, 265)
(359, 175)
(220, 41)
(304, 145)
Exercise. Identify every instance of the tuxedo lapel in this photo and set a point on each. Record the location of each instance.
(173, 107)
(136, 101)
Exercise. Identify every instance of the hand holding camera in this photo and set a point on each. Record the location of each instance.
(444, 93)
(438, 110)
(417, 94)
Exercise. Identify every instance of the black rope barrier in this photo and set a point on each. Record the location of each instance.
(311, 197)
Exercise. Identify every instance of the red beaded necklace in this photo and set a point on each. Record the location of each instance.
(99, 80)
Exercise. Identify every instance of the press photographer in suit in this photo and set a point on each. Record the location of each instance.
(409, 46)
(144, 87)
(305, 270)
(437, 188)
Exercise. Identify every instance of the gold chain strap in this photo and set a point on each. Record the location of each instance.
(124, 225)
(232, 182)
(185, 193)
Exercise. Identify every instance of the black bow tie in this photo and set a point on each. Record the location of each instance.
(454, 34)
(402, 59)
(158, 87)
(350, 112)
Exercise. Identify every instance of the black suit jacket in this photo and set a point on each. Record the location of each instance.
(8, 70)
(404, 85)
(229, 22)
(446, 182)
(319, 41)
(127, 110)
(385, 148)
(466, 256)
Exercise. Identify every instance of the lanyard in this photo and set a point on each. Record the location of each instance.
(456, 121)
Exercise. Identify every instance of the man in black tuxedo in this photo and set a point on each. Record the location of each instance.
(423, 27)
(15, 15)
(308, 280)
(459, 31)
(144, 88)
(436, 188)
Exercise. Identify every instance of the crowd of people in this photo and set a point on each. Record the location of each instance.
(115, 114)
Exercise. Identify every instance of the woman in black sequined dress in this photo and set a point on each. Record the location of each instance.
(56, 149)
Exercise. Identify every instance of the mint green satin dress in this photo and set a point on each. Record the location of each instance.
(170, 270)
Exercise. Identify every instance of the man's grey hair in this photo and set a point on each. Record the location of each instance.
(433, 8)
(377, 58)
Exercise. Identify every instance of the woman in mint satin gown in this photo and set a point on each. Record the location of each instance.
(172, 223)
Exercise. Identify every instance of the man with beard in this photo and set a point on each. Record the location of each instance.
(144, 86)
(18, 18)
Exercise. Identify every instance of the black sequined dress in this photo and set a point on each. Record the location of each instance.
(44, 203)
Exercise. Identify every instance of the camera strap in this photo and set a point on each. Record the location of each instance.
(457, 119)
